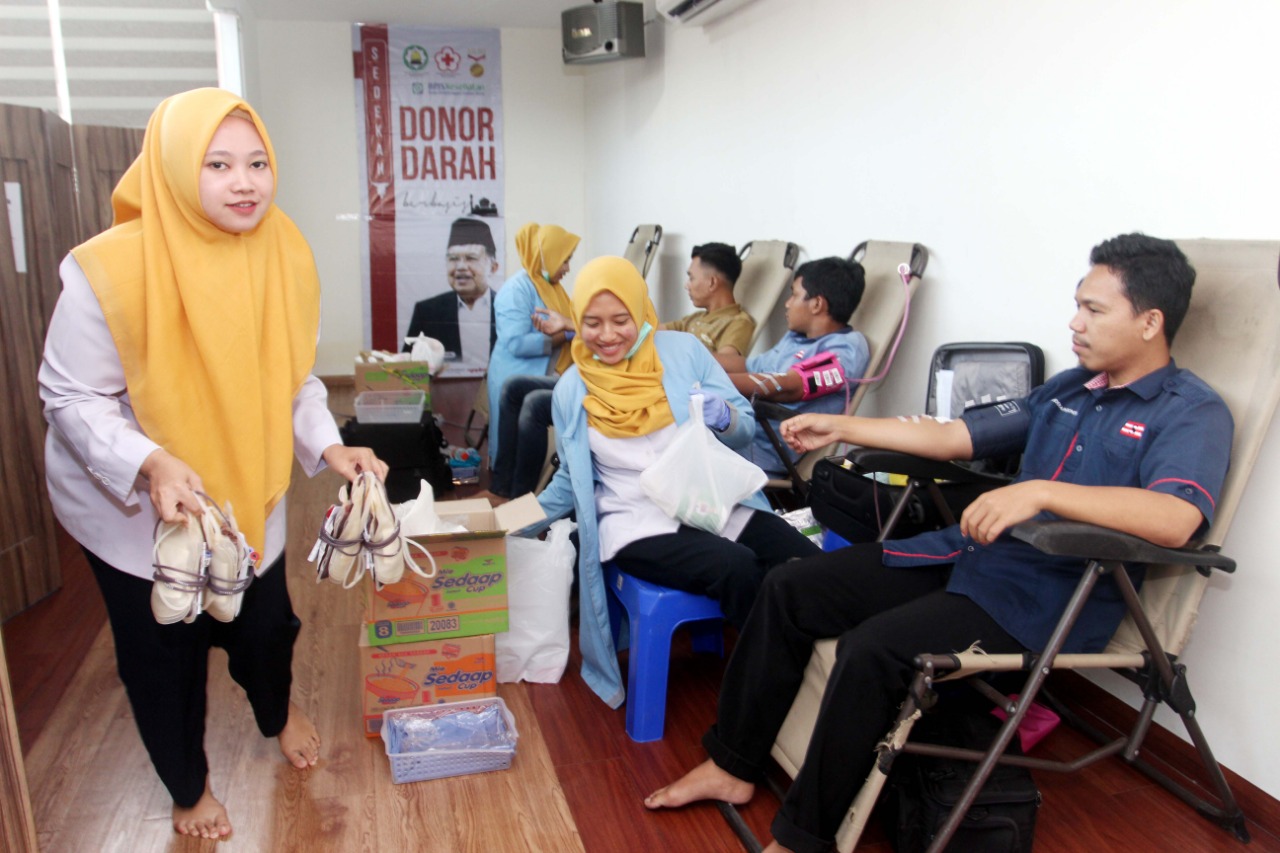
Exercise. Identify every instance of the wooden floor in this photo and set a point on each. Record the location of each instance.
(576, 783)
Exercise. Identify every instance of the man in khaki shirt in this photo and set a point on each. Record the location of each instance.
(722, 325)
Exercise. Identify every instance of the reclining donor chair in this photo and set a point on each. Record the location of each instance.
(767, 267)
(1231, 339)
(642, 248)
(882, 317)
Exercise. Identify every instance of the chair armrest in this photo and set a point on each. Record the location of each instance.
(1089, 541)
(766, 410)
(869, 459)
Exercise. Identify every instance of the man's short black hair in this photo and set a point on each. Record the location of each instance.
(1155, 274)
(839, 281)
(722, 258)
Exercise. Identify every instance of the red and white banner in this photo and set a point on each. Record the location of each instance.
(429, 115)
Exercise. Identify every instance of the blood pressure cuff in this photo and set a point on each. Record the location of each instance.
(998, 429)
(821, 374)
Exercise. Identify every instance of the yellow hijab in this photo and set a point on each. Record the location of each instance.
(625, 399)
(552, 247)
(527, 249)
(216, 331)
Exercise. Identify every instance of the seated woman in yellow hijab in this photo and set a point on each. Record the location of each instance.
(615, 410)
(178, 361)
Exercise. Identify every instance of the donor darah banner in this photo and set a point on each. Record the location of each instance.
(429, 115)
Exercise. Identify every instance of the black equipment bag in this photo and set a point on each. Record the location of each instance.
(855, 506)
(961, 376)
(411, 451)
(921, 792)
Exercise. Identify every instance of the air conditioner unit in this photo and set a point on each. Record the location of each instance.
(602, 32)
(697, 12)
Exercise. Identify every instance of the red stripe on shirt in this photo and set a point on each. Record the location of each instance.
(1070, 446)
(1196, 485)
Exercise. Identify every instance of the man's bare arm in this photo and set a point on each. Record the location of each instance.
(1158, 517)
(919, 436)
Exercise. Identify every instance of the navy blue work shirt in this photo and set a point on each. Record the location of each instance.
(1168, 432)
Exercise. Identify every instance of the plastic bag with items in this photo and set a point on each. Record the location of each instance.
(697, 480)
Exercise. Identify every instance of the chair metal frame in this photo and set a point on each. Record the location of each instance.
(887, 298)
(642, 248)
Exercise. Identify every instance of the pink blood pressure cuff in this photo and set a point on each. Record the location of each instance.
(821, 374)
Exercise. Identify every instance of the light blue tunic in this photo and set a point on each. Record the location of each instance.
(684, 361)
(521, 350)
(848, 346)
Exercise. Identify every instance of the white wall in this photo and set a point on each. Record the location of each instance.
(304, 90)
(1008, 137)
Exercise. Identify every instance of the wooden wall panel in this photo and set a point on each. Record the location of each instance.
(17, 824)
(35, 154)
(102, 156)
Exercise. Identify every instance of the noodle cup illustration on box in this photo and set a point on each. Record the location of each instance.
(468, 594)
(425, 672)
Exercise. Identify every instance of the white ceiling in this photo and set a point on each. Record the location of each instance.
(441, 13)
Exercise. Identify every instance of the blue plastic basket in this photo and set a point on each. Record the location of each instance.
(439, 763)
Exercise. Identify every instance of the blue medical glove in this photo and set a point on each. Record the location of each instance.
(715, 411)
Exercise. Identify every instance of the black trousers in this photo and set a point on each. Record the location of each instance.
(731, 572)
(883, 617)
(524, 414)
(164, 668)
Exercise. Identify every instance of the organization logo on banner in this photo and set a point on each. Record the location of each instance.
(415, 57)
(448, 60)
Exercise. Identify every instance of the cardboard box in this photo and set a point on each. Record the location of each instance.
(423, 673)
(468, 594)
(393, 376)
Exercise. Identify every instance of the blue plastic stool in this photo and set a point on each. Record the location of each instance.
(832, 541)
(653, 614)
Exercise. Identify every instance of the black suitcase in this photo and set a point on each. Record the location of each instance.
(921, 792)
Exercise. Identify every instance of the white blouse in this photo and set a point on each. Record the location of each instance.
(624, 512)
(95, 447)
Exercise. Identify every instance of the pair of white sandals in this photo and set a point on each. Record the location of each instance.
(201, 565)
(361, 535)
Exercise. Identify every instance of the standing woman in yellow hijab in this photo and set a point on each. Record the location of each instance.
(528, 356)
(178, 360)
(615, 410)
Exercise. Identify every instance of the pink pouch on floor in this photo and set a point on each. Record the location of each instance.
(1036, 723)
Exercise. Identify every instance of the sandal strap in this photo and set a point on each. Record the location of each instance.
(218, 586)
(340, 544)
(408, 558)
(179, 579)
(375, 545)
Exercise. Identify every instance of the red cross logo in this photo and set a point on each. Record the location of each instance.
(447, 59)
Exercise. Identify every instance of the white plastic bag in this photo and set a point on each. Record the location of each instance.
(539, 575)
(697, 480)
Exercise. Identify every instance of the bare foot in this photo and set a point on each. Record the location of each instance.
(206, 819)
(775, 847)
(704, 782)
(299, 740)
